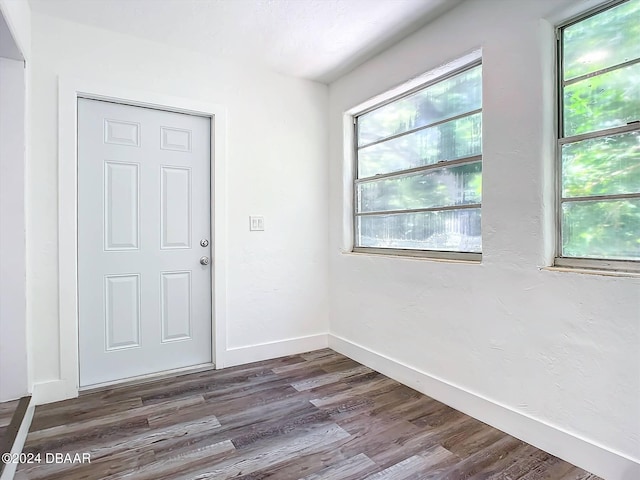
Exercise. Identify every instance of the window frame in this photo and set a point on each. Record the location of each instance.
(474, 257)
(584, 262)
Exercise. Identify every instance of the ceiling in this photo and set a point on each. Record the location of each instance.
(315, 39)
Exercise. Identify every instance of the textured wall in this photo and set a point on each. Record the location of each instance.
(559, 347)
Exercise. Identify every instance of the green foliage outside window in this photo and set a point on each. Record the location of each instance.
(422, 133)
(412, 140)
(601, 91)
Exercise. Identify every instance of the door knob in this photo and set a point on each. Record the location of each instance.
(204, 260)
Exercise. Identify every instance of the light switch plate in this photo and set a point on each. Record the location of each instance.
(256, 223)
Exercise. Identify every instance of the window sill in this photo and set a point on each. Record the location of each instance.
(417, 255)
(592, 271)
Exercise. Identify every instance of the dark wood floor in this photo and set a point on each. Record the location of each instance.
(312, 416)
(6, 412)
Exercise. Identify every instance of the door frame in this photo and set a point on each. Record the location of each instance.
(69, 90)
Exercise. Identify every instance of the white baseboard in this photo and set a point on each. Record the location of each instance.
(56, 390)
(578, 451)
(281, 348)
(53, 391)
(10, 468)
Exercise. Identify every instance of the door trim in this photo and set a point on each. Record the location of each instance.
(69, 90)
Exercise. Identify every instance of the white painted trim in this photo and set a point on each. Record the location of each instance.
(349, 141)
(348, 176)
(18, 444)
(53, 391)
(280, 348)
(14, 377)
(579, 451)
(68, 92)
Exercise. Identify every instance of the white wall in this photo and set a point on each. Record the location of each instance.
(16, 38)
(276, 167)
(13, 333)
(561, 348)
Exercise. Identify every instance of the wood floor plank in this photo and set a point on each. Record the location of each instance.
(428, 461)
(117, 452)
(273, 429)
(277, 452)
(100, 468)
(470, 466)
(324, 352)
(186, 389)
(316, 415)
(474, 443)
(551, 469)
(527, 460)
(578, 474)
(321, 362)
(401, 470)
(369, 389)
(245, 434)
(56, 439)
(352, 468)
(415, 465)
(114, 421)
(179, 464)
(333, 377)
(54, 417)
(411, 440)
(502, 461)
(240, 400)
(6, 411)
(181, 412)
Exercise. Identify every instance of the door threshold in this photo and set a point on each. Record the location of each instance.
(148, 378)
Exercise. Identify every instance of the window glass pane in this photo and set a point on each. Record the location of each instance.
(449, 230)
(448, 141)
(459, 185)
(459, 94)
(604, 40)
(602, 229)
(602, 166)
(604, 101)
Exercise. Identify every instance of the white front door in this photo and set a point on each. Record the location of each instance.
(144, 203)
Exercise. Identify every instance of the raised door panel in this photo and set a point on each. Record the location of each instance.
(122, 311)
(121, 206)
(177, 139)
(176, 306)
(119, 132)
(175, 200)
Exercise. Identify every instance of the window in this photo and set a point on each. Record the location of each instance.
(418, 182)
(599, 141)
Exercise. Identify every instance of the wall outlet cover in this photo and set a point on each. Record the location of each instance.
(256, 223)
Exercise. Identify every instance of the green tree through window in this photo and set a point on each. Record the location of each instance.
(599, 142)
(419, 168)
